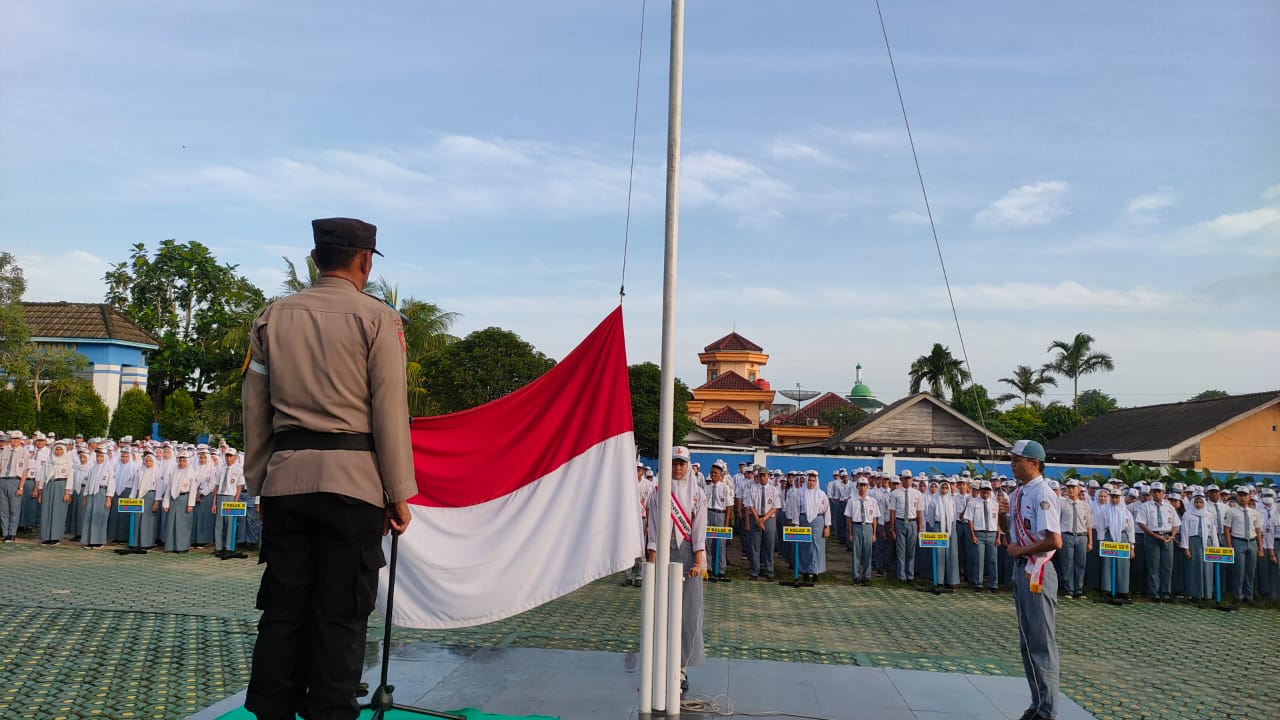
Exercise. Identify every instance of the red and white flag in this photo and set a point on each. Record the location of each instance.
(525, 498)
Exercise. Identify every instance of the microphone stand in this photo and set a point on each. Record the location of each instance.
(382, 699)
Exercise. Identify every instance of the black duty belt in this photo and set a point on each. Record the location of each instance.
(300, 439)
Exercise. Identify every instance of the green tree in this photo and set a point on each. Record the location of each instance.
(13, 324)
(221, 412)
(188, 301)
(940, 371)
(51, 370)
(974, 397)
(1077, 358)
(645, 380)
(1211, 395)
(842, 418)
(1022, 423)
(133, 416)
(178, 419)
(1058, 420)
(17, 407)
(91, 412)
(483, 366)
(1093, 403)
(292, 283)
(75, 409)
(1028, 382)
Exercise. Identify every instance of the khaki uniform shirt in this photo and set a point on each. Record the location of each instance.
(329, 359)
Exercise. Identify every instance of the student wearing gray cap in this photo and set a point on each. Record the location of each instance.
(1034, 532)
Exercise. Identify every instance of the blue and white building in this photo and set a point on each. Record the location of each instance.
(115, 347)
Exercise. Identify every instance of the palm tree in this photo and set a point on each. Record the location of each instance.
(292, 283)
(939, 369)
(428, 328)
(1077, 358)
(1028, 382)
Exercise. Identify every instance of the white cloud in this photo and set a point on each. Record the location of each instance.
(1145, 208)
(909, 219)
(1272, 193)
(734, 184)
(1030, 205)
(454, 175)
(75, 276)
(1233, 225)
(1066, 295)
(791, 150)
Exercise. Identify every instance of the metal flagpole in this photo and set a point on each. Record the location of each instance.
(662, 673)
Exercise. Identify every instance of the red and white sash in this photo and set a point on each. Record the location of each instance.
(680, 519)
(1035, 563)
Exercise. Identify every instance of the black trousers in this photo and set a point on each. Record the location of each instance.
(322, 553)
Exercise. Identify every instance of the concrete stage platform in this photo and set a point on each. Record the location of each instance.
(573, 684)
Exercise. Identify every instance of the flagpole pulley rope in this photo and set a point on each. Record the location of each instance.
(937, 244)
(631, 173)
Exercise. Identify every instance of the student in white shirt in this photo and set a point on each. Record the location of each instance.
(230, 485)
(1199, 531)
(1243, 529)
(941, 517)
(982, 518)
(1159, 521)
(861, 513)
(179, 501)
(719, 514)
(808, 506)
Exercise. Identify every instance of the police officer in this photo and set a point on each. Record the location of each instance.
(325, 386)
(1032, 525)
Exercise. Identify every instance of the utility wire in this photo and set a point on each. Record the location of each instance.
(933, 227)
(631, 174)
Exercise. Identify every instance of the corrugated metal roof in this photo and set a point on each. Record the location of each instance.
(1156, 427)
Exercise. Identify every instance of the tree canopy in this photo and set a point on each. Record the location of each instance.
(483, 366)
(1028, 383)
(646, 390)
(1211, 395)
(187, 300)
(1076, 358)
(1093, 403)
(940, 371)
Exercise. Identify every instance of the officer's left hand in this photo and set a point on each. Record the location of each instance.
(826, 532)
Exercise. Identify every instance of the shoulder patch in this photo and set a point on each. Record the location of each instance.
(1044, 504)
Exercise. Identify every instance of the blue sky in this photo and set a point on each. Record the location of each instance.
(1106, 167)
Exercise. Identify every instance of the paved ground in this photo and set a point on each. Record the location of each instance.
(91, 634)
(586, 685)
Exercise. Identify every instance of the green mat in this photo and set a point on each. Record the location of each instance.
(468, 713)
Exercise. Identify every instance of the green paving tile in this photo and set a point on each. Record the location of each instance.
(95, 635)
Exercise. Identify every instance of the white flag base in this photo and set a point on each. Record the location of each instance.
(660, 625)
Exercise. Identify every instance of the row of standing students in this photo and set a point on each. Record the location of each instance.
(179, 489)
